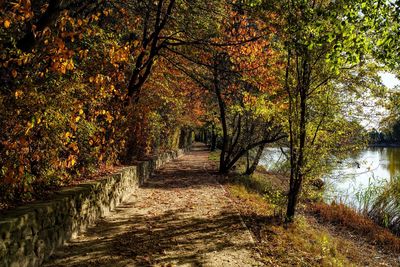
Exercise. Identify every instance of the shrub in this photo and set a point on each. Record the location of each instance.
(341, 215)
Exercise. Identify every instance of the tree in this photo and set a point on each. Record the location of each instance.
(322, 41)
(61, 107)
(385, 27)
(64, 93)
(169, 104)
(238, 67)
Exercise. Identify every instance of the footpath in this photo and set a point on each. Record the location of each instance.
(180, 217)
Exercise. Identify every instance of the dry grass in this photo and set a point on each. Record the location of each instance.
(297, 245)
(307, 242)
(341, 215)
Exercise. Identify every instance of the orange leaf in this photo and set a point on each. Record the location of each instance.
(18, 93)
(7, 24)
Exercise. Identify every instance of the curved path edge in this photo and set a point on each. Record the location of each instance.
(181, 216)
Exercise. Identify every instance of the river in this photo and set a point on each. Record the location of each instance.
(370, 167)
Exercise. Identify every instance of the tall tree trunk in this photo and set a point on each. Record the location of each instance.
(292, 200)
(297, 153)
(221, 104)
(151, 48)
(213, 138)
(250, 169)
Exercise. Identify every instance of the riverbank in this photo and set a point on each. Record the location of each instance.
(314, 239)
(383, 145)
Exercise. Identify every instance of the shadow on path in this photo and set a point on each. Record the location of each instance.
(145, 242)
(181, 216)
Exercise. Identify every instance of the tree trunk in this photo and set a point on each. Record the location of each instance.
(251, 169)
(221, 104)
(213, 138)
(151, 48)
(293, 199)
(297, 158)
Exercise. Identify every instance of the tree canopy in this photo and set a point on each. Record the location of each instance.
(87, 85)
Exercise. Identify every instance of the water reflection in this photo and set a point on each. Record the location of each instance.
(393, 160)
(274, 158)
(370, 167)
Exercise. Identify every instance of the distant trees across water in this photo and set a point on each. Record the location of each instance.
(389, 137)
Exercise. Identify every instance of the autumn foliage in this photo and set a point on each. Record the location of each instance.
(342, 216)
(89, 85)
(64, 104)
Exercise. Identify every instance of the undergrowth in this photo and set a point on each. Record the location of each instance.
(339, 214)
(261, 199)
(385, 208)
(299, 244)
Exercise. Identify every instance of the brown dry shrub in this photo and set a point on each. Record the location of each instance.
(341, 215)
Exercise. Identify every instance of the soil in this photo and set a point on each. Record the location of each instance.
(181, 217)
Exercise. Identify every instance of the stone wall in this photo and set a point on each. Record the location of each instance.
(30, 234)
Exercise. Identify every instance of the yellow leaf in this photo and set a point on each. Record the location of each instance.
(71, 161)
(7, 24)
(14, 73)
(18, 93)
(29, 127)
(109, 119)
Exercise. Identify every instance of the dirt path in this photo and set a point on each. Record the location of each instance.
(181, 217)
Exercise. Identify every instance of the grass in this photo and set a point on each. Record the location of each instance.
(313, 239)
(306, 242)
(385, 208)
(300, 244)
(339, 214)
(214, 155)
